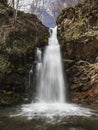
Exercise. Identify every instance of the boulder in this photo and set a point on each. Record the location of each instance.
(78, 31)
(18, 43)
(78, 37)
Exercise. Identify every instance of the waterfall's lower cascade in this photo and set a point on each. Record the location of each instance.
(50, 87)
(51, 81)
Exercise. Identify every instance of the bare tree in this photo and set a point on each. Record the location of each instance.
(34, 5)
(70, 2)
(15, 4)
(16, 10)
(11, 3)
(37, 5)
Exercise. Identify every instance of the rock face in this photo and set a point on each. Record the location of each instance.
(18, 43)
(83, 81)
(78, 37)
(78, 31)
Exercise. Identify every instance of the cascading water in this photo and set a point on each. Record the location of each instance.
(50, 93)
(38, 66)
(51, 87)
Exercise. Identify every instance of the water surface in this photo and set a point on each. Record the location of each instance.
(53, 117)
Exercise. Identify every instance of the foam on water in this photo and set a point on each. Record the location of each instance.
(52, 112)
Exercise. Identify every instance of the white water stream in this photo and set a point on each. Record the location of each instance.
(51, 82)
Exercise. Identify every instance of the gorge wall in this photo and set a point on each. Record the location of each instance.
(78, 37)
(18, 43)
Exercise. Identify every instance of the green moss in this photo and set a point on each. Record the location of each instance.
(46, 40)
(68, 60)
(76, 30)
(20, 69)
(9, 98)
(7, 92)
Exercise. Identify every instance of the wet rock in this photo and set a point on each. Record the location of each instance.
(78, 37)
(78, 31)
(18, 43)
(83, 81)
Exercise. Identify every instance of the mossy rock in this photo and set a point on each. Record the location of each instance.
(78, 31)
(18, 43)
(9, 98)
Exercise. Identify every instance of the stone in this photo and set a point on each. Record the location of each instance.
(78, 37)
(78, 33)
(18, 45)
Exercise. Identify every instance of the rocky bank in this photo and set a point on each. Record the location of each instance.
(78, 37)
(18, 43)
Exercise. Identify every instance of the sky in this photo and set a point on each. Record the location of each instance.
(47, 13)
(51, 10)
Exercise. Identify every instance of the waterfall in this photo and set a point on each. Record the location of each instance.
(50, 94)
(51, 85)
